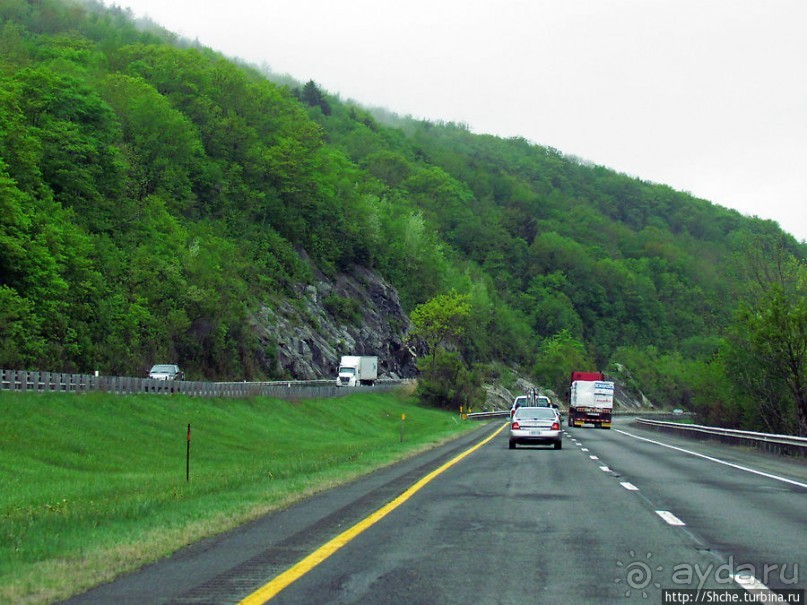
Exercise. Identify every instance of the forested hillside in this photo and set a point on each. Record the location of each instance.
(153, 194)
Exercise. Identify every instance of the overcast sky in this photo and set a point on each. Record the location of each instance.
(707, 96)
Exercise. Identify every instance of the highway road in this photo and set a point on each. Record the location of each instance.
(615, 516)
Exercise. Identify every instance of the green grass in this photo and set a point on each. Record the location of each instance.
(94, 485)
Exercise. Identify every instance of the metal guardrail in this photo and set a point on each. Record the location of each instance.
(493, 414)
(781, 444)
(630, 412)
(56, 382)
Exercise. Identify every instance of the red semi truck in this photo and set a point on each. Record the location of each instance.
(591, 399)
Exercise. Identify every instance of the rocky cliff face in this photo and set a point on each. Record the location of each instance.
(354, 314)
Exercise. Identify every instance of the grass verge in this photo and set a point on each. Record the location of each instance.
(95, 485)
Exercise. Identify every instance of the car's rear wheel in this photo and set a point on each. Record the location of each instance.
(558, 445)
(512, 445)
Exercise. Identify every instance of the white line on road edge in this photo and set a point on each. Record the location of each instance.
(594, 457)
(629, 486)
(583, 449)
(605, 469)
(732, 465)
(669, 517)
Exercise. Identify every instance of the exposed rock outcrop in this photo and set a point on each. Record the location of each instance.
(310, 335)
(498, 397)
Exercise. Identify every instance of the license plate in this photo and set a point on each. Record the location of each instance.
(535, 433)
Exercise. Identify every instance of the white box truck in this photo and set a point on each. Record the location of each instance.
(591, 400)
(355, 370)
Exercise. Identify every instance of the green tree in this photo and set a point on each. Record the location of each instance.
(414, 249)
(163, 146)
(666, 379)
(311, 95)
(440, 320)
(76, 131)
(387, 166)
(558, 357)
(445, 380)
(716, 401)
(447, 383)
(550, 308)
(769, 350)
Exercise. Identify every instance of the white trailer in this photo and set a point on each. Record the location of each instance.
(591, 402)
(355, 370)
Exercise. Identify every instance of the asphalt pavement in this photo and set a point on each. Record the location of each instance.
(615, 516)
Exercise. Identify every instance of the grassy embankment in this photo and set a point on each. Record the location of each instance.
(94, 485)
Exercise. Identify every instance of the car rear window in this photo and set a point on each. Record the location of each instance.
(535, 413)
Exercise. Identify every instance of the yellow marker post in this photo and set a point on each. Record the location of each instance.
(403, 418)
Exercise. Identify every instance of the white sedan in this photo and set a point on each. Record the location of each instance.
(535, 426)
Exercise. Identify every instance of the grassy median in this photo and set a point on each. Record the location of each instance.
(95, 485)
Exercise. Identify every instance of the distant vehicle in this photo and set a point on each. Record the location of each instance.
(542, 401)
(678, 412)
(518, 402)
(166, 371)
(538, 401)
(591, 400)
(531, 425)
(355, 370)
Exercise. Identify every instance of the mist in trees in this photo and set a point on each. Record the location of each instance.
(154, 194)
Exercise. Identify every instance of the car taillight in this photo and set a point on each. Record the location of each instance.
(512, 412)
(514, 426)
(555, 426)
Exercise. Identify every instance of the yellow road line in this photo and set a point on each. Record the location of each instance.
(269, 590)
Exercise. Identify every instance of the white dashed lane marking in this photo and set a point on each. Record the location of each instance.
(750, 583)
(669, 517)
